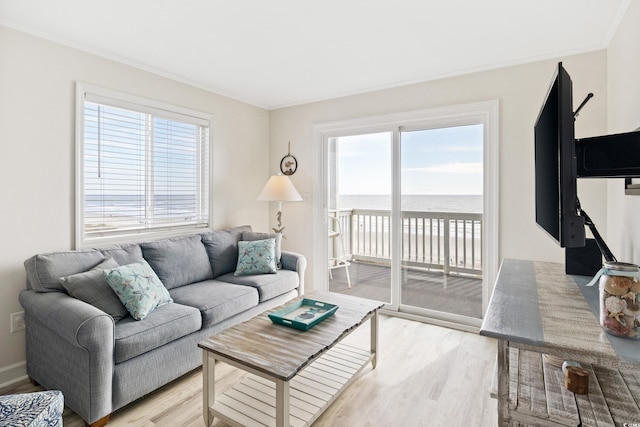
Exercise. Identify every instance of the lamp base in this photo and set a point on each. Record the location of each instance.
(280, 228)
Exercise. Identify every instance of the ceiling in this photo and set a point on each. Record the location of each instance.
(276, 53)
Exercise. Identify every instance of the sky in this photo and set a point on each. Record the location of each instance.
(444, 161)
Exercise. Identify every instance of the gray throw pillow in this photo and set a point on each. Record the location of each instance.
(92, 288)
(45, 270)
(250, 236)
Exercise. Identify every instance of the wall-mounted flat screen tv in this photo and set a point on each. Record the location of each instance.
(555, 165)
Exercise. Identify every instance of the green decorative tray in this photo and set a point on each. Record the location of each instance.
(304, 314)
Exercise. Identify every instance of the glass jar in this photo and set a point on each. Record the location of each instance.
(620, 299)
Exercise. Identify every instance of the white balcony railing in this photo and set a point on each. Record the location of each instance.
(451, 242)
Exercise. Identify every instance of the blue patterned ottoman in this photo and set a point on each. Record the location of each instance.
(39, 409)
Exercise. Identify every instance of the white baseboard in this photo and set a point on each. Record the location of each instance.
(13, 373)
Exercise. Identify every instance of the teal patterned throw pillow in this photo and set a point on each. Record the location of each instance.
(138, 287)
(256, 257)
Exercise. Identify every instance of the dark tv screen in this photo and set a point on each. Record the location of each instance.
(555, 165)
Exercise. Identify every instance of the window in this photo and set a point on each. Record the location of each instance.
(142, 167)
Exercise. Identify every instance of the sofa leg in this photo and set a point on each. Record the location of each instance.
(101, 422)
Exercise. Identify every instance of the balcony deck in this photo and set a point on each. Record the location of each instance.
(426, 289)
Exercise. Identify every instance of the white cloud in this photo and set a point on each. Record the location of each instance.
(458, 168)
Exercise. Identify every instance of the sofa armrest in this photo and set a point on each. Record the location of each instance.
(70, 347)
(75, 321)
(295, 262)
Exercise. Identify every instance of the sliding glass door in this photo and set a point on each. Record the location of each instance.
(404, 212)
(359, 216)
(441, 210)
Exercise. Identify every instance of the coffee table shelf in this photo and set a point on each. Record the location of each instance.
(252, 402)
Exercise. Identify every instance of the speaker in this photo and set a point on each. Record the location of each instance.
(584, 261)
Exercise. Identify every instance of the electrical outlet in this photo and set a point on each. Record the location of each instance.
(17, 322)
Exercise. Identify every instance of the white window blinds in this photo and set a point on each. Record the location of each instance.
(144, 169)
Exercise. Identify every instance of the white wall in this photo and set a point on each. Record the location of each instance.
(520, 91)
(624, 116)
(37, 119)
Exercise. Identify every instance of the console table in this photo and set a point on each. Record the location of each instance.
(537, 310)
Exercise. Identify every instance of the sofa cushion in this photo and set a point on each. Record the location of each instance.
(178, 261)
(222, 249)
(45, 270)
(92, 288)
(165, 324)
(250, 236)
(268, 285)
(257, 257)
(123, 254)
(138, 287)
(217, 301)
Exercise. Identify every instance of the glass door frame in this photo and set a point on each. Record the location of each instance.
(485, 113)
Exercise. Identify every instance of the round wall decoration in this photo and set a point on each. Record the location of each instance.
(288, 164)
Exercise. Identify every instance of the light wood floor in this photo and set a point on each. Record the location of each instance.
(426, 376)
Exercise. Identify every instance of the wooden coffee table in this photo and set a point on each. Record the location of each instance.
(293, 375)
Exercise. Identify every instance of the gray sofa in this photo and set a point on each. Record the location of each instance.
(102, 363)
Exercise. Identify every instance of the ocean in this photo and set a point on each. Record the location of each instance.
(165, 206)
(421, 203)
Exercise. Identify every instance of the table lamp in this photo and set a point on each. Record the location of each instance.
(279, 189)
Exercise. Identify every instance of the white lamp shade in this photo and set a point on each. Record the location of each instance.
(279, 188)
